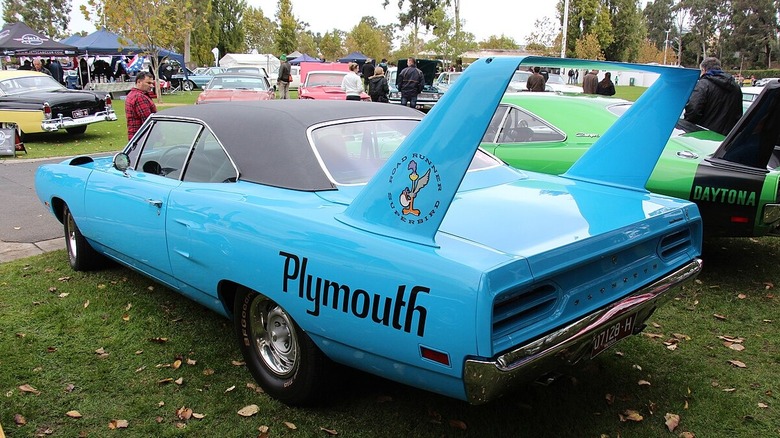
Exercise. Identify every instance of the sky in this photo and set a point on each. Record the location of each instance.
(483, 18)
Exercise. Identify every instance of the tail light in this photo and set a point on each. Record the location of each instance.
(46, 111)
(108, 101)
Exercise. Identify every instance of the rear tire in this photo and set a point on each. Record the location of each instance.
(188, 86)
(77, 130)
(280, 356)
(81, 255)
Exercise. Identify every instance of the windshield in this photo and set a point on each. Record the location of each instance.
(26, 84)
(353, 152)
(237, 83)
(520, 76)
(325, 79)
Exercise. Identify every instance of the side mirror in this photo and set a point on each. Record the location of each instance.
(121, 162)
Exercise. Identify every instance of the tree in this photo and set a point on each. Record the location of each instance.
(628, 30)
(502, 42)
(308, 43)
(542, 41)
(367, 39)
(259, 31)
(332, 46)
(753, 31)
(420, 14)
(288, 26)
(587, 47)
(204, 38)
(49, 17)
(449, 41)
(230, 30)
(658, 18)
(197, 15)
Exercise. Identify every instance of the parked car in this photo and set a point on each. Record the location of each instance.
(236, 87)
(325, 84)
(763, 81)
(749, 95)
(368, 235)
(518, 82)
(445, 80)
(194, 81)
(558, 83)
(295, 72)
(429, 95)
(36, 102)
(734, 182)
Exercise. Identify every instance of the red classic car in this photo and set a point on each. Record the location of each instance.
(325, 85)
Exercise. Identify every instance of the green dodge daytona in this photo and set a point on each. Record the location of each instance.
(733, 180)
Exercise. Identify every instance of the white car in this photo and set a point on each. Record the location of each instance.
(749, 95)
(764, 81)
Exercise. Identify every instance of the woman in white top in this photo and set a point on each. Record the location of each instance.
(352, 84)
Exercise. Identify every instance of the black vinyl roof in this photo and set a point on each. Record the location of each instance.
(267, 139)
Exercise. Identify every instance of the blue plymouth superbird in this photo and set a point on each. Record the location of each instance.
(368, 235)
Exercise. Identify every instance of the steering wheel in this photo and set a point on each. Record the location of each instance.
(523, 124)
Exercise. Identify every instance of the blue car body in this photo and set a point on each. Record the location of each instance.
(441, 268)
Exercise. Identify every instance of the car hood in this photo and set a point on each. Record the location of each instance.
(54, 97)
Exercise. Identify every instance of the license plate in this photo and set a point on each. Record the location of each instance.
(612, 333)
(79, 113)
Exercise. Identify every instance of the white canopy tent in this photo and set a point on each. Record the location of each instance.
(270, 62)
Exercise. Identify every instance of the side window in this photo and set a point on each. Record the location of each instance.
(495, 125)
(209, 162)
(166, 146)
(522, 127)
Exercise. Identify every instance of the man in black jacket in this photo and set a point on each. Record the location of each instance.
(716, 101)
(410, 82)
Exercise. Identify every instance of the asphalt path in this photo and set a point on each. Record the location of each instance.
(23, 218)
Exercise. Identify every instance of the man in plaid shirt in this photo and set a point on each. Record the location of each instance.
(138, 104)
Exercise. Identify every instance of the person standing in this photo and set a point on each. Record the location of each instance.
(352, 84)
(367, 71)
(284, 78)
(378, 88)
(38, 66)
(138, 105)
(606, 87)
(383, 64)
(716, 100)
(536, 81)
(571, 76)
(590, 82)
(410, 83)
(55, 68)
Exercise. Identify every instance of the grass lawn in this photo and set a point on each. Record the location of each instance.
(82, 351)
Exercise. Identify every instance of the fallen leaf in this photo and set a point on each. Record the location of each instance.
(656, 325)
(101, 286)
(653, 335)
(263, 431)
(128, 307)
(248, 411)
(671, 347)
(329, 431)
(165, 381)
(118, 424)
(687, 435)
(198, 416)
(126, 317)
(237, 363)
(70, 387)
(20, 420)
(176, 364)
(636, 367)
(741, 296)
(737, 347)
(230, 388)
(681, 336)
(73, 414)
(672, 421)
(160, 404)
(159, 340)
(738, 364)
(768, 285)
(643, 383)
(29, 388)
(458, 424)
(631, 415)
(86, 304)
(184, 413)
(179, 381)
(290, 426)
(763, 405)
(63, 295)
(191, 361)
(729, 389)
(610, 398)
(720, 317)
(51, 349)
(208, 372)
(63, 279)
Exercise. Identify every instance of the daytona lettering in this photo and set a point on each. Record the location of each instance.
(399, 312)
(725, 196)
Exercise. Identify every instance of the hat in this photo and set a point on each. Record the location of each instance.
(283, 57)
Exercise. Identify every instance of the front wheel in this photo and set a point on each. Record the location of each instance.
(188, 86)
(81, 255)
(280, 356)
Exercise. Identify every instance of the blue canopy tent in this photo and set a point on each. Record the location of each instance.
(304, 58)
(354, 57)
(71, 39)
(104, 42)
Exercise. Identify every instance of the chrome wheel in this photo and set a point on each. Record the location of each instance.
(70, 236)
(274, 337)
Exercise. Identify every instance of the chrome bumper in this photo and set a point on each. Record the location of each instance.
(485, 380)
(56, 123)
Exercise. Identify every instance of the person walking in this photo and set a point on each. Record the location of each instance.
(606, 87)
(367, 71)
(284, 78)
(138, 105)
(716, 100)
(536, 81)
(590, 82)
(352, 84)
(378, 88)
(410, 83)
